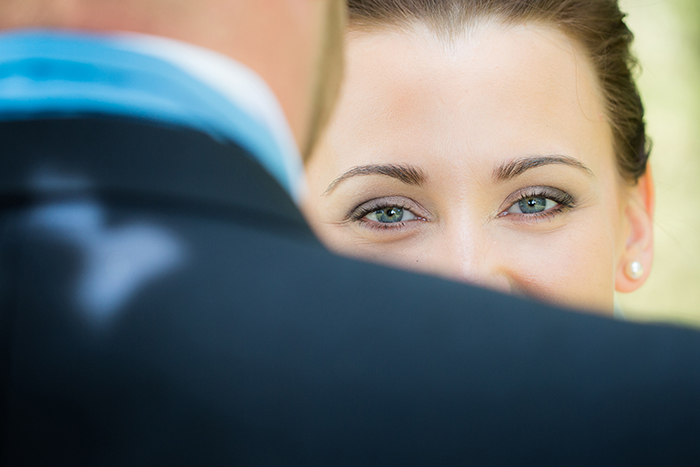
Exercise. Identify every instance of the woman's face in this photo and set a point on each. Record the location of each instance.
(488, 159)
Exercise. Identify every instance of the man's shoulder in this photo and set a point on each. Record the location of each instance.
(163, 284)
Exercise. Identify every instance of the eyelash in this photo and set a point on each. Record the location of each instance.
(565, 202)
(358, 214)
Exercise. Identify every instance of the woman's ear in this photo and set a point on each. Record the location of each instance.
(635, 262)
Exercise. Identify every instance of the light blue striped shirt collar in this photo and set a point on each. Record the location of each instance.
(149, 77)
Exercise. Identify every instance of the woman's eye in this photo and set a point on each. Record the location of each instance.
(532, 205)
(390, 215)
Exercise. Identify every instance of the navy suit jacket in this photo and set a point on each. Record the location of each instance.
(162, 302)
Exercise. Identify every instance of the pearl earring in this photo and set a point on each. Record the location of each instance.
(635, 270)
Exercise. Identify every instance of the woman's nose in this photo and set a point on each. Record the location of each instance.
(473, 256)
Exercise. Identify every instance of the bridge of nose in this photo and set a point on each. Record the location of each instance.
(469, 252)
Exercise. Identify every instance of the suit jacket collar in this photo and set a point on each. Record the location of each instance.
(152, 78)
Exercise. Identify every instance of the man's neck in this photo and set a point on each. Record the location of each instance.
(280, 41)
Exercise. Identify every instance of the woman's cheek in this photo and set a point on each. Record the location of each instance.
(571, 266)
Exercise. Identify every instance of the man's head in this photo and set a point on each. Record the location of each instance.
(294, 45)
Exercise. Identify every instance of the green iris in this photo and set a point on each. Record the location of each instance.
(389, 215)
(532, 205)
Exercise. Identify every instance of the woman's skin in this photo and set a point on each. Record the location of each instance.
(487, 159)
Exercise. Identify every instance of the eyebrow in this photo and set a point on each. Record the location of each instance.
(407, 174)
(512, 169)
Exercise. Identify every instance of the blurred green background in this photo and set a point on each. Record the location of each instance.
(667, 44)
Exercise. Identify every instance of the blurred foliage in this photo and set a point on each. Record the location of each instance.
(667, 44)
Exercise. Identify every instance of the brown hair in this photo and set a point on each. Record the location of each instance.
(329, 75)
(597, 25)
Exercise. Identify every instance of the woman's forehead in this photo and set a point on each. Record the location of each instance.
(501, 89)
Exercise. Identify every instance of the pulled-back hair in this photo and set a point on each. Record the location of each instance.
(596, 25)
